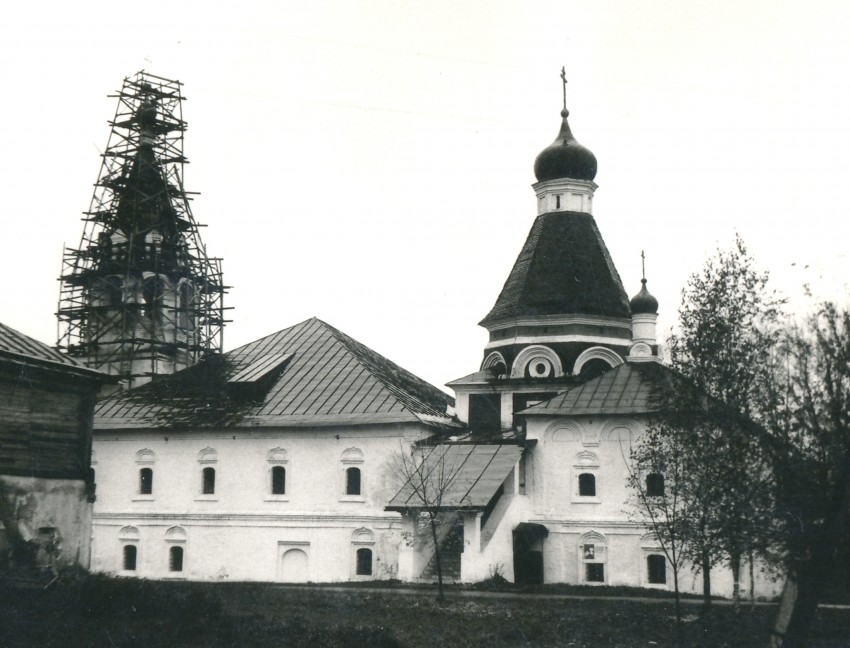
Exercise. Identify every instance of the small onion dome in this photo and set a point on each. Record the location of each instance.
(643, 303)
(565, 157)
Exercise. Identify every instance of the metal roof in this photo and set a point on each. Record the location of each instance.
(458, 476)
(310, 374)
(564, 267)
(631, 388)
(19, 347)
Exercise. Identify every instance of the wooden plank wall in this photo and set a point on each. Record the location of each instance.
(45, 424)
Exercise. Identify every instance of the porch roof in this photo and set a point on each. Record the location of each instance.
(460, 476)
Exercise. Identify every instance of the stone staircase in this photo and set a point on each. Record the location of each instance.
(451, 567)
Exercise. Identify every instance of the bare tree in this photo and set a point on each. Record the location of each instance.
(428, 475)
(657, 476)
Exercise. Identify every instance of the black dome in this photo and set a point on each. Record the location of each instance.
(643, 303)
(565, 157)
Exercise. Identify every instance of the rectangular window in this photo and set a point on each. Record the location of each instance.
(278, 480)
(129, 557)
(175, 559)
(657, 567)
(352, 481)
(594, 572)
(208, 481)
(485, 412)
(145, 481)
(364, 562)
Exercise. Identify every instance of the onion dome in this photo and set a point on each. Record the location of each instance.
(565, 157)
(643, 303)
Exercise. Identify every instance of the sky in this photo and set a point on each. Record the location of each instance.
(370, 162)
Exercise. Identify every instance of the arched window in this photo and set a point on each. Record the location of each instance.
(364, 562)
(175, 559)
(145, 481)
(278, 480)
(352, 481)
(655, 485)
(152, 293)
(129, 557)
(587, 485)
(208, 478)
(656, 566)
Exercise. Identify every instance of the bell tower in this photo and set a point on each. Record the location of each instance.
(140, 296)
(563, 315)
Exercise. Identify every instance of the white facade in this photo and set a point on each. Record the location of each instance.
(243, 529)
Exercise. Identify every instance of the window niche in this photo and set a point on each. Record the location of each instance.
(586, 483)
(176, 540)
(278, 476)
(353, 487)
(655, 485)
(208, 463)
(593, 555)
(363, 544)
(144, 486)
(129, 539)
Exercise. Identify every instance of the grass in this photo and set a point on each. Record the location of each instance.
(94, 611)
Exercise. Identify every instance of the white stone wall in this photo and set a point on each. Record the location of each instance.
(567, 448)
(242, 530)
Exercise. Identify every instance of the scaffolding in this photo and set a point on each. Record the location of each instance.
(140, 296)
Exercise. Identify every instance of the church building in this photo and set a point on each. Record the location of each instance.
(283, 460)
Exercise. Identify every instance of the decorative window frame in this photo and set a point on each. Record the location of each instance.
(145, 458)
(277, 457)
(128, 536)
(597, 353)
(537, 353)
(586, 462)
(362, 538)
(352, 458)
(176, 537)
(600, 556)
(493, 359)
(207, 458)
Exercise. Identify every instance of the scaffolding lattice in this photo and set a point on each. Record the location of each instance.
(140, 296)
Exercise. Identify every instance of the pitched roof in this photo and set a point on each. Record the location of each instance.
(16, 346)
(563, 268)
(470, 475)
(630, 388)
(310, 374)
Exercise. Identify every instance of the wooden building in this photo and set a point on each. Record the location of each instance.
(46, 484)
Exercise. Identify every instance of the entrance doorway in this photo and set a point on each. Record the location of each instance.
(528, 553)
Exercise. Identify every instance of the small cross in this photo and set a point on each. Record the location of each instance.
(564, 79)
(643, 265)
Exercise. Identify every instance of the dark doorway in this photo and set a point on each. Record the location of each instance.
(528, 553)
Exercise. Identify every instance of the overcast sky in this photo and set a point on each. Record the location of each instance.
(370, 163)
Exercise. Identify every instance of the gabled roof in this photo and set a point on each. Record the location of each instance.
(16, 346)
(310, 374)
(630, 388)
(470, 474)
(563, 268)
